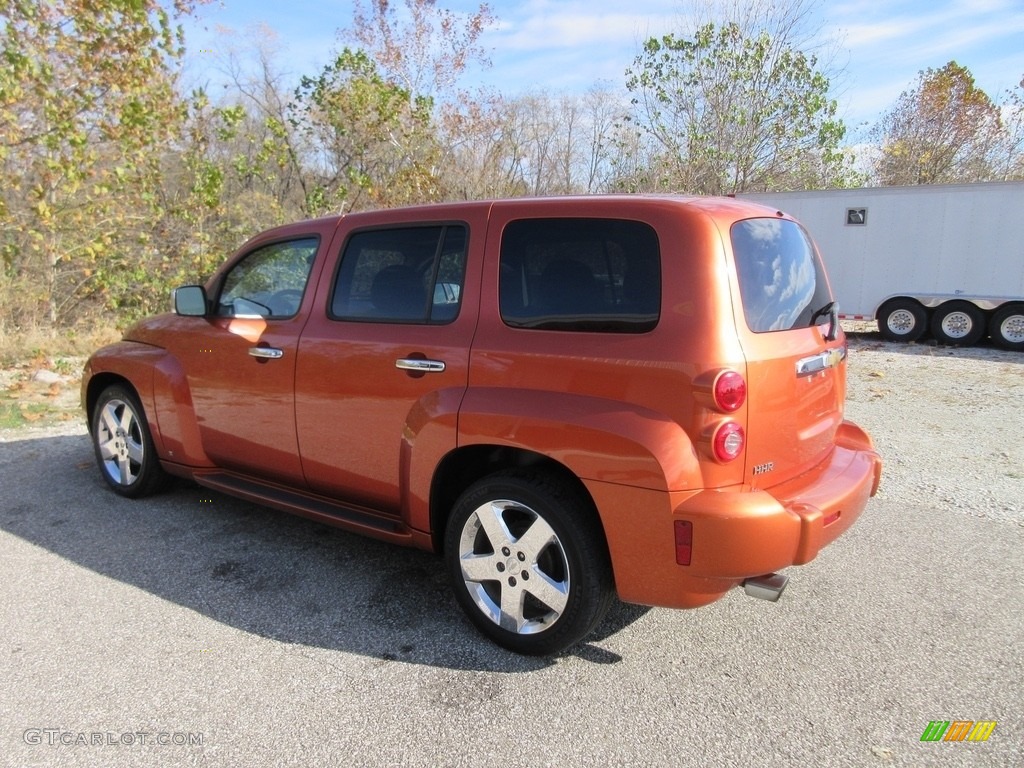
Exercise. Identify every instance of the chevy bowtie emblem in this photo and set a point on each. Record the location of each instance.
(830, 358)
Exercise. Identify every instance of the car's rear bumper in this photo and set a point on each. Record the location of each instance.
(747, 533)
(736, 533)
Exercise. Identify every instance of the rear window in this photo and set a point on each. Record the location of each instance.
(781, 279)
(596, 275)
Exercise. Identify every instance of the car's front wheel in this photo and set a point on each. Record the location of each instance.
(528, 562)
(123, 444)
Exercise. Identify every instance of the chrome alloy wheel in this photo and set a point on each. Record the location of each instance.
(514, 566)
(120, 442)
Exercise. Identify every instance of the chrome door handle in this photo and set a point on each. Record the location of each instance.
(419, 366)
(266, 353)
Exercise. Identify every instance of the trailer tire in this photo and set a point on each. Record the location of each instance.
(902, 320)
(958, 324)
(1007, 327)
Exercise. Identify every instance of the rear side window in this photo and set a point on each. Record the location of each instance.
(781, 279)
(407, 275)
(597, 275)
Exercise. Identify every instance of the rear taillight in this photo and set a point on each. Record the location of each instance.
(729, 391)
(684, 541)
(727, 441)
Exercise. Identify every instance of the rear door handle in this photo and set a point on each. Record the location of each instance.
(419, 366)
(266, 353)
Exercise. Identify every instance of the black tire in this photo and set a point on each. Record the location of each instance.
(1007, 327)
(958, 324)
(534, 541)
(902, 320)
(123, 444)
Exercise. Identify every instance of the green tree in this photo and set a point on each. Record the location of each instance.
(374, 140)
(732, 110)
(209, 199)
(943, 130)
(425, 51)
(86, 97)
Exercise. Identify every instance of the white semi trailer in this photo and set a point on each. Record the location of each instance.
(946, 259)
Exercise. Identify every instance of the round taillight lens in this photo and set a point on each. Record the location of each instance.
(730, 391)
(728, 441)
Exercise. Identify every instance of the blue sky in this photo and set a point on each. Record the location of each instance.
(571, 44)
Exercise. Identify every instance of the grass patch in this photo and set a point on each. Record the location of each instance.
(19, 347)
(14, 414)
(28, 400)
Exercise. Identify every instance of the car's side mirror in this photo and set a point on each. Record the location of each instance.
(190, 301)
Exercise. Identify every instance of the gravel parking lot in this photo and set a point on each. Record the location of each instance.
(195, 629)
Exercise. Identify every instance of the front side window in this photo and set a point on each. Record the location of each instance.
(270, 281)
(597, 275)
(781, 279)
(406, 275)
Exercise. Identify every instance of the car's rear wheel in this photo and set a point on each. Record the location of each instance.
(123, 444)
(528, 562)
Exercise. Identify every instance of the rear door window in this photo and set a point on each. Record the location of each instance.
(570, 274)
(404, 275)
(781, 279)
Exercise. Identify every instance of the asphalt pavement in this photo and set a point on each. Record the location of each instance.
(196, 629)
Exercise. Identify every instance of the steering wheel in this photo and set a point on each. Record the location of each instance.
(285, 303)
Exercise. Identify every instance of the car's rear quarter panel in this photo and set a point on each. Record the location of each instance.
(581, 378)
(629, 414)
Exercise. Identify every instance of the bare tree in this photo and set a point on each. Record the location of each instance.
(426, 54)
(1011, 158)
(542, 144)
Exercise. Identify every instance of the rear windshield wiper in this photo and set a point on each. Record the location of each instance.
(832, 310)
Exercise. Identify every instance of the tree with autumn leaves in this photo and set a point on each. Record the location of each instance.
(116, 183)
(943, 130)
(87, 94)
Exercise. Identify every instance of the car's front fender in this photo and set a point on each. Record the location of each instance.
(159, 380)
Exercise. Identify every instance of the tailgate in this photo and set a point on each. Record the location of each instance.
(795, 406)
(796, 373)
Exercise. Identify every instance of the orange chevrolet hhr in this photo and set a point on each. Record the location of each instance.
(567, 398)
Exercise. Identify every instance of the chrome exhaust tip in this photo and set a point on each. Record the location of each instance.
(767, 587)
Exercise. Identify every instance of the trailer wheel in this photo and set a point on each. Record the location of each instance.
(902, 320)
(958, 323)
(1007, 327)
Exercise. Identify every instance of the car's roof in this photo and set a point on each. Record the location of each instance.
(581, 205)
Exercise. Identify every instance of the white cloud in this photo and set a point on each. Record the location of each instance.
(542, 25)
(571, 44)
(888, 45)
